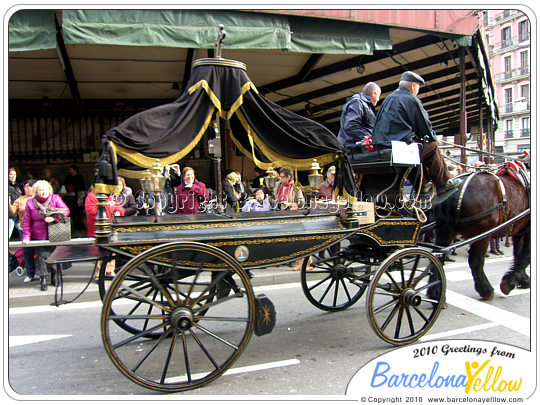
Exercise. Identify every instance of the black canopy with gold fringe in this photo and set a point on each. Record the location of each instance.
(267, 133)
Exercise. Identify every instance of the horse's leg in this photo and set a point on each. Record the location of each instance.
(477, 253)
(517, 276)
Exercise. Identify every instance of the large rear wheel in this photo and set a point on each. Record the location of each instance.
(191, 312)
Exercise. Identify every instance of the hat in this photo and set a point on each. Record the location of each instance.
(412, 77)
(331, 170)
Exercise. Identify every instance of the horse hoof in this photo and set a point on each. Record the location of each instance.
(506, 288)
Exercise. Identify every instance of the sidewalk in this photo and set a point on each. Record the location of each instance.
(76, 279)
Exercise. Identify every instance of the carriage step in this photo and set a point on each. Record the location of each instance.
(265, 315)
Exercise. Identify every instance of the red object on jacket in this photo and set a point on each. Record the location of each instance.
(90, 206)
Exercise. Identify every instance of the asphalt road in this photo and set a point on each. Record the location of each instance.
(58, 350)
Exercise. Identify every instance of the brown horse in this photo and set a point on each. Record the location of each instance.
(484, 201)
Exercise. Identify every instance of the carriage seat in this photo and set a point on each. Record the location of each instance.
(381, 157)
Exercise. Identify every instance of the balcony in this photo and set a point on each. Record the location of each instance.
(517, 107)
(510, 44)
(525, 133)
(514, 74)
(508, 134)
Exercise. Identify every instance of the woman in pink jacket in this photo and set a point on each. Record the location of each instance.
(190, 194)
(42, 209)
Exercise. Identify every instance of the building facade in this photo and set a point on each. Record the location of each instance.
(509, 38)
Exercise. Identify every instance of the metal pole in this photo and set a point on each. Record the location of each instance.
(463, 107)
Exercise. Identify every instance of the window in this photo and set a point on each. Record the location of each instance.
(523, 30)
(524, 62)
(525, 92)
(525, 127)
(509, 129)
(508, 98)
(507, 67)
(506, 37)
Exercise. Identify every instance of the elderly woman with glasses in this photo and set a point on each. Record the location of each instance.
(287, 195)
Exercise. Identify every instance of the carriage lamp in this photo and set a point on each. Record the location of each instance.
(153, 182)
(270, 179)
(157, 179)
(146, 181)
(315, 178)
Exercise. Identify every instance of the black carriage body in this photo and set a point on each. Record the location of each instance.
(258, 239)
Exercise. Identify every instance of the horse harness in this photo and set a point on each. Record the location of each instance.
(499, 206)
(515, 170)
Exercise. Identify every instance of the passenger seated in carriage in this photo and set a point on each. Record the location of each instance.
(258, 204)
(403, 118)
(287, 195)
(326, 189)
(191, 193)
(358, 117)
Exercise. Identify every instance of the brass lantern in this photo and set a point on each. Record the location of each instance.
(270, 179)
(315, 178)
(157, 179)
(146, 182)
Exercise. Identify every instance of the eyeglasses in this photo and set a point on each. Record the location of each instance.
(282, 176)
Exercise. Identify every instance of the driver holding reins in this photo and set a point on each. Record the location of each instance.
(403, 118)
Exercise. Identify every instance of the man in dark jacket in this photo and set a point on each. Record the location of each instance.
(403, 118)
(358, 116)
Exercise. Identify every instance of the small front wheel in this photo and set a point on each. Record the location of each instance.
(332, 282)
(406, 296)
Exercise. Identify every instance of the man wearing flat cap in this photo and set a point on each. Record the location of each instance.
(403, 118)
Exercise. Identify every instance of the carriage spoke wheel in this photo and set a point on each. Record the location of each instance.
(406, 296)
(151, 291)
(190, 309)
(335, 283)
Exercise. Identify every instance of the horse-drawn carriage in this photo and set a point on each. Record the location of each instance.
(182, 309)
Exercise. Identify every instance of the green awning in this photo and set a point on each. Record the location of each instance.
(175, 28)
(312, 35)
(31, 30)
(245, 30)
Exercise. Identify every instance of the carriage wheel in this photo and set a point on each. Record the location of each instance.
(204, 315)
(334, 283)
(406, 296)
(104, 284)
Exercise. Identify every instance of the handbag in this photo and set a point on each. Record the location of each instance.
(60, 231)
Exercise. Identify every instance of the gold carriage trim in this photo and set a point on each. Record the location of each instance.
(368, 232)
(147, 162)
(327, 240)
(220, 62)
(276, 158)
(173, 227)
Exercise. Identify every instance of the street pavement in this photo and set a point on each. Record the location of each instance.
(310, 352)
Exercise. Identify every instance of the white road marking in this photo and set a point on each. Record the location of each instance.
(51, 308)
(239, 370)
(454, 332)
(508, 319)
(15, 341)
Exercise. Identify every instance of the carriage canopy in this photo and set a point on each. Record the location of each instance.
(269, 134)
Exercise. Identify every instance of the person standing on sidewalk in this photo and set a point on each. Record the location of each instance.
(18, 207)
(44, 208)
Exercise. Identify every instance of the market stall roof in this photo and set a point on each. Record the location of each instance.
(131, 60)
